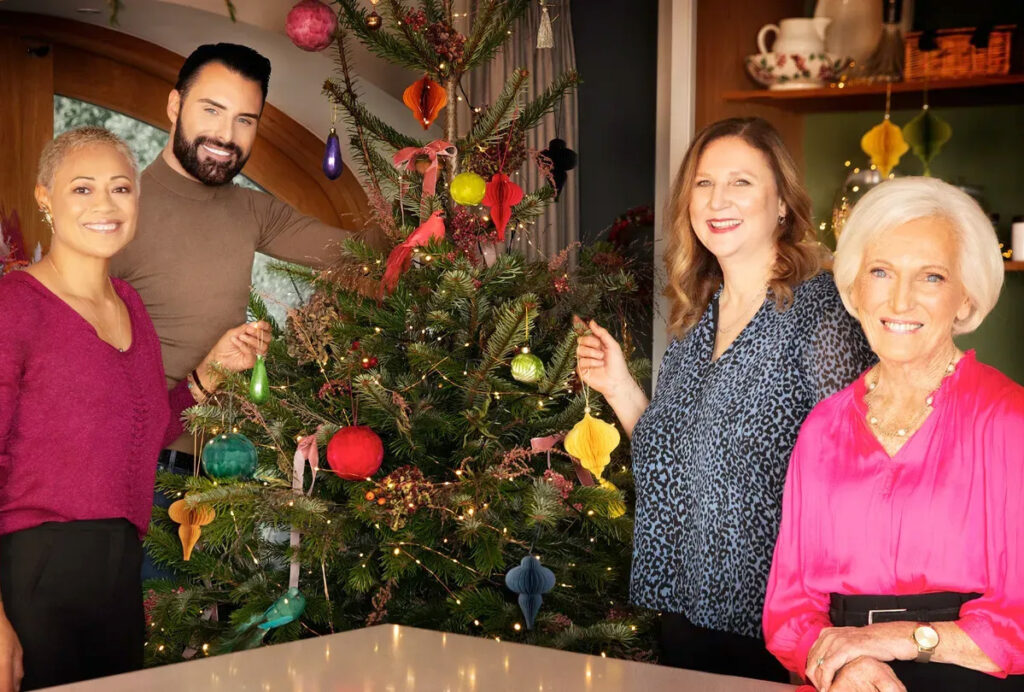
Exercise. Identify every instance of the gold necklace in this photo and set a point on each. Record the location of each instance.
(92, 311)
(762, 294)
(922, 413)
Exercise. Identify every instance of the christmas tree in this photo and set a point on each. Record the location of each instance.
(448, 363)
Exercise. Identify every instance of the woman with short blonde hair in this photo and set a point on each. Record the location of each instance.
(84, 407)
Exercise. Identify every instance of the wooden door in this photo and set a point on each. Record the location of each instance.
(26, 124)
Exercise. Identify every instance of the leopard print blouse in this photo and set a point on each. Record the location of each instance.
(710, 452)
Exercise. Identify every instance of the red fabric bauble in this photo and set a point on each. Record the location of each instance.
(355, 452)
(311, 25)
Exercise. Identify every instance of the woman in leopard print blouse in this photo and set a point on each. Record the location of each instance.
(759, 337)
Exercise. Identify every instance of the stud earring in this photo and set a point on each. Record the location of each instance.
(782, 219)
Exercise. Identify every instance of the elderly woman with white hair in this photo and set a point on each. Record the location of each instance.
(901, 546)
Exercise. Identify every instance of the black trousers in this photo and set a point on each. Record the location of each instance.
(72, 593)
(685, 645)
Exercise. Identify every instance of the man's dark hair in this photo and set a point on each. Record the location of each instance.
(241, 59)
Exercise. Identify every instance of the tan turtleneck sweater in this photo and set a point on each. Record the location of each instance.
(192, 256)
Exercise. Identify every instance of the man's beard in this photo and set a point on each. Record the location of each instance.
(208, 171)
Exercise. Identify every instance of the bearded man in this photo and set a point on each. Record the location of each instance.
(192, 257)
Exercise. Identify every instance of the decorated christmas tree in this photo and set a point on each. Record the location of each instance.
(399, 456)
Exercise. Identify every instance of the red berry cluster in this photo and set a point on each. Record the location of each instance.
(446, 41)
(562, 484)
(400, 494)
(333, 387)
(365, 361)
(637, 216)
(467, 229)
(415, 20)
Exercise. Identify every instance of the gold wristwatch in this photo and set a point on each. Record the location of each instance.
(926, 639)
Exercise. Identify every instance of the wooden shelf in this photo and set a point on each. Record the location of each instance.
(1014, 266)
(974, 91)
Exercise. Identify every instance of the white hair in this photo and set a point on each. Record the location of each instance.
(894, 203)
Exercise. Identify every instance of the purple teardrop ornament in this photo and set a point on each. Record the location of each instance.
(332, 157)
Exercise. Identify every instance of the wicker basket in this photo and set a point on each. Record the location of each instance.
(956, 57)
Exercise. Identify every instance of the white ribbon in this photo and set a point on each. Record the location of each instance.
(306, 451)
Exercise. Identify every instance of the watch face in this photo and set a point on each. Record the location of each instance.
(926, 637)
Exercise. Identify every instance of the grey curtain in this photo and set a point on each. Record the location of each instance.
(558, 227)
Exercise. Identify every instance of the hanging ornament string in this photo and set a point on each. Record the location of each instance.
(884, 143)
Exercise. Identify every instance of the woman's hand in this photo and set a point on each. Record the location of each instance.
(867, 674)
(235, 351)
(601, 365)
(600, 362)
(838, 646)
(11, 670)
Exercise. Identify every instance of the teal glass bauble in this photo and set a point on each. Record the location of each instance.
(229, 455)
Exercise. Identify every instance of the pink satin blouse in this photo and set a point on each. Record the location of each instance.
(945, 514)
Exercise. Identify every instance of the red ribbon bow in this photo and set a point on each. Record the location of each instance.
(398, 260)
(407, 158)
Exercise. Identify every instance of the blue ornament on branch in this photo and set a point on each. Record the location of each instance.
(530, 580)
(332, 156)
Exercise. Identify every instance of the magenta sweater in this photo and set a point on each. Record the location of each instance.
(81, 423)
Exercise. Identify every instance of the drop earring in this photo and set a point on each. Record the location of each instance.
(47, 217)
(782, 219)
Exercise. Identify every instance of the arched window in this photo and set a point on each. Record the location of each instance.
(43, 56)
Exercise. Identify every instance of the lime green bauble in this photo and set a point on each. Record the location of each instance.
(467, 189)
(527, 367)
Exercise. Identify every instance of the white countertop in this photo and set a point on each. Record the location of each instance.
(393, 658)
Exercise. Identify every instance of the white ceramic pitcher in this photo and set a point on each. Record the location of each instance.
(801, 35)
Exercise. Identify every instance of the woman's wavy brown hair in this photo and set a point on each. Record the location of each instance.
(693, 272)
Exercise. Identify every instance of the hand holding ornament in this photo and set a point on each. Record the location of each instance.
(236, 351)
(599, 360)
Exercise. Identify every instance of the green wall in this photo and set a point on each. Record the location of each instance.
(986, 151)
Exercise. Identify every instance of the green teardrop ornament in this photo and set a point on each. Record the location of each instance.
(259, 385)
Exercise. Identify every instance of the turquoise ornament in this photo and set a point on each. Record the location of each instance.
(530, 580)
(250, 633)
(284, 610)
(259, 385)
(229, 455)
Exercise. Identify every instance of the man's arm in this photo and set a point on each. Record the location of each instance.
(289, 235)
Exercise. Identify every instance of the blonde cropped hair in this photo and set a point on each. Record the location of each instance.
(692, 270)
(898, 202)
(57, 149)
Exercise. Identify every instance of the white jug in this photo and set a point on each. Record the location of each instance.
(856, 26)
(795, 35)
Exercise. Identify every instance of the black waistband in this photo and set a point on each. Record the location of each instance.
(175, 461)
(861, 610)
